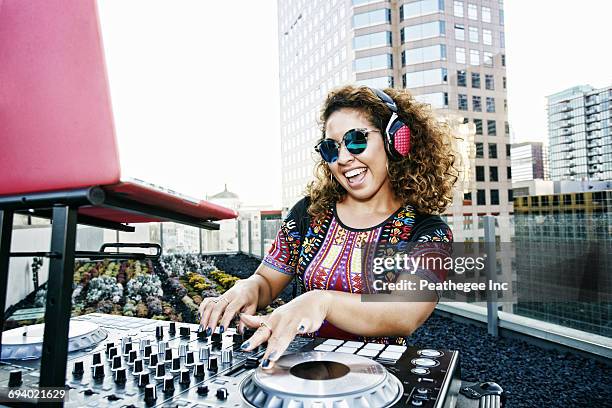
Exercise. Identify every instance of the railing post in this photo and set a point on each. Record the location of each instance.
(261, 237)
(491, 263)
(200, 239)
(250, 237)
(239, 235)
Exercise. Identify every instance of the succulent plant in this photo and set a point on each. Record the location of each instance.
(104, 288)
(143, 286)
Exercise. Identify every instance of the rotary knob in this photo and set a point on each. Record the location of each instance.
(161, 348)
(96, 359)
(112, 353)
(160, 371)
(172, 329)
(147, 351)
(153, 360)
(216, 337)
(159, 331)
(189, 359)
(185, 331)
(98, 371)
(77, 368)
(109, 346)
(198, 371)
(138, 366)
(222, 393)
(202, 335)
(168, 356)
(120, 375)
(15, 379)
(212, 363)
(143, 379)
(168, 384)
(203, 390)
(127, 348)
(132, 357)
(150, 393)
(182, 350)
(204, 353)
(226, 356)
(184, 377)
(144, 343)
(176, 365)
(116, 363)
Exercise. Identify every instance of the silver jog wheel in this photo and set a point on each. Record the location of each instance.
(322, 380)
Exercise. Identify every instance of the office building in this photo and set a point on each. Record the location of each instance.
(450, 54)
(529, 162)
(580, 139)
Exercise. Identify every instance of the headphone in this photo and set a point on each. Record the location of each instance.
(397, 133)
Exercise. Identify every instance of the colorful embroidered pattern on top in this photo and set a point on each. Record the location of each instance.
(331, 254)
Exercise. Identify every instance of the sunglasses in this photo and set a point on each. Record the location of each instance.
(355, 141)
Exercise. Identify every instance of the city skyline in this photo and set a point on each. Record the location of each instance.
(134, 63)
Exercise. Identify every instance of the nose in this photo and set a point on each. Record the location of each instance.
(344, 156)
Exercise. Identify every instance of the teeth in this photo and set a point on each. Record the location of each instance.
(354, 172)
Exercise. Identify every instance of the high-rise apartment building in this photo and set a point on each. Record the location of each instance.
(580, 136)
(450, 54)
(529, 161)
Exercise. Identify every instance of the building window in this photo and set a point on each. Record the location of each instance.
(478, 125)
(459, 32)
(486, 14)
(507, 128)
(502, 39)
(476, 103)
(501, 17)
(380, 16)
(480, 197)
(424, 54)
(479, 150)
(480, 173)
(567, 199)
(508, 149)
(493, 175)
(472, 12)
(509, 173)
(474, 57)
(461, 78)
(429, 77)
(494, 197)
(423, 31)
(473, 34)
(491, 128)
(510, 195)
(462, 102)
(436, 99)
(380, 39)
(487, 37)
(378, 82)
(421, 8)
(374, 62)
(458, 9)
(488, 59)
(504, 82)
(492, 151)
(490, 104)
(475, 80)
(489, 82)
(503, 60)
(460, 55)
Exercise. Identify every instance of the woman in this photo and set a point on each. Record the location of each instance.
(367, 190)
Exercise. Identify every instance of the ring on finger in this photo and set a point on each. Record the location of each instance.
(264, 324)
(222, 298)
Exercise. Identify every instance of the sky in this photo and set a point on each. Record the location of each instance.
(195, 93)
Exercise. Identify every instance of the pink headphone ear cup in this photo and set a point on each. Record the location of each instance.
(401, 141)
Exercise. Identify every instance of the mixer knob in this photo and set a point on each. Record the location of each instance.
(144, 343)
(132, 357)
(116, 363)
(159, 331)
(199, 370)
(77, 368)
(204, 353)
(120, 375)
(109, 346)
(127, 348)
(189, 359)
(143, 379)
(150, 393)
(184, 377)
(125, 340)
(160, 371)
(251, 362)
(216, 337)
(238, 338)
(168, 356)
(153, 360)
(202, 335)
(422, 391)
(161, 348)
(96, 359)
(147, 351)
(15, 378)
(222, 393)
(172, 329)
(168, 384)
(226, 356)
(176, 365)
(112, 353)
(185, 331)
(417, 403)
(212, 363)
(203, 390)
(98, 371)
(138, 366)
(182, 350)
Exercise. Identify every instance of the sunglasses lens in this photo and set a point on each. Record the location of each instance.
(328, 150)
(355, 141)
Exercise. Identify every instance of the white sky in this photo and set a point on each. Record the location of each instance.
(195, 84)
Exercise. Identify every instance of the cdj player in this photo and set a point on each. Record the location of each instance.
(117, 361)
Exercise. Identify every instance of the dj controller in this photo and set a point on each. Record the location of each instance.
(117, 361)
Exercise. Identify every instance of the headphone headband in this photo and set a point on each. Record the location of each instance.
(397, 133)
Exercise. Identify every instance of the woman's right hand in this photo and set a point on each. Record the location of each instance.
(242, 297)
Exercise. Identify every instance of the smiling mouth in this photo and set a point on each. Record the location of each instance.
(355, 176)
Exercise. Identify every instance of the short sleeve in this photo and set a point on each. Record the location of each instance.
(284, 254)
(433, 245)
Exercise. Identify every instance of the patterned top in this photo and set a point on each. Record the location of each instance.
(330, 255)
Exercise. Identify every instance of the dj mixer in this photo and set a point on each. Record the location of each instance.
(117, 361)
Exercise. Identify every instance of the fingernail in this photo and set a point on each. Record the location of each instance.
(272, 355)
(245, 345)
(265, 363)
(221, 329)
(301, 328)
(208, 331)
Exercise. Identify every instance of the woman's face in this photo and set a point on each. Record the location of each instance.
(362, 175)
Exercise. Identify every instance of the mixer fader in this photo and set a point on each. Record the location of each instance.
(118, 361)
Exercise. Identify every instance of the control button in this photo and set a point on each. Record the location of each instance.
(422, 390)
(423, 379)
(147, 351)
(168, 356)
(212, 364)
(203, 390)
(138, 366)
(198, 371)
(430, 353)
(176, 365)
(374, 346)
(390, 355)
(367, 352)
(77, 368)
(89, 392)
(425, 362)
(153, 360)
(202, 335)
(113, 397)
(117, 361)
(417, 403)
(184, 377)
(172, 329)
(109, 346)
(112, 353)
(226, 356)
(222, 393)
(98, 371)
(216, 337)
(159, 331)
(251, 362)
(143, 379)
(185, 331)
(325, 347)
(96, 359)
(353, 344)
(419, 371)
(120, 376)
(168, 384)
(132, 356)
(395, 348)
(346, 350)
(182, 350)
(15, 379)
(189, 359)
(204, 353)
(150, 393)
(127, 348)
(160, 371)
(333, 342)
(144, 343)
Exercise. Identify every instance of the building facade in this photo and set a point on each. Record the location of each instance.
(450, 54)
(529, 161)
(580, 139)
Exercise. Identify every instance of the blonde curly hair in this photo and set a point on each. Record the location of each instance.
(423, 179)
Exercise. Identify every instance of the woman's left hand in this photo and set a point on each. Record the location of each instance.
(304, 314)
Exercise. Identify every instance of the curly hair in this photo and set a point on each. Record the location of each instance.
(423, 179)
